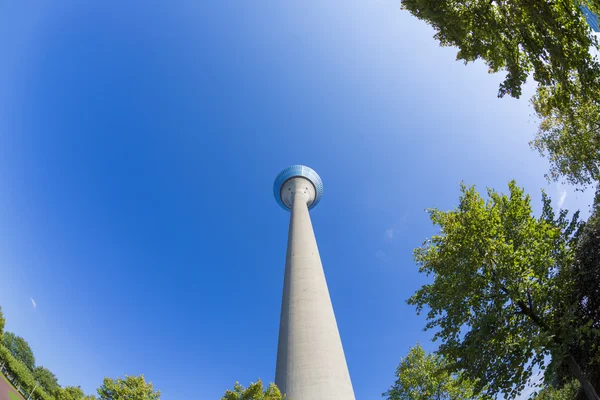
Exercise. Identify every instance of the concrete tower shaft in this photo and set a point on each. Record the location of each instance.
(310, 359)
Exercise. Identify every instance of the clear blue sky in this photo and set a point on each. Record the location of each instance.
(138, 145)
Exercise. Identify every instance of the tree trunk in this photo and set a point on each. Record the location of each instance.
(585, 383)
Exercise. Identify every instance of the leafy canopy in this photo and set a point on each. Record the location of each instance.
(547, 39)
(2, 323)
(568, 392)
(20, 349)
(422, 376)
(17, 358)
(69, 393)
(46, 379)
(21, 375)
(499, 297)
(254, 392)
(585, 298)
(569, 135)
(586, 295)
(130, 388)
(72, 393)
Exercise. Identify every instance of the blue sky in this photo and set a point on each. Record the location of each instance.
(138, 146)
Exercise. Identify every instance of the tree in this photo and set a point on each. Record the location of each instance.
(585, 296)
(422, 376)
(501, 291)
(130, 388)
(569, 135)
(18, 371)
(2, 322)
(46, 379)
(254, 392)
(547, 39)
(69, 393)
(20, 349)
(72, 393)
(568, 392)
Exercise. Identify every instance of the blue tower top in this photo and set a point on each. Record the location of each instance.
(591, 18)
(298, 171)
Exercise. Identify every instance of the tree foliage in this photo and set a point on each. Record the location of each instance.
(16, 368)
(500, 296)
(130, 388)
(2, 322)
(569, 135)
(72, 393)
(21, 375)
(254, 392)
(46, 379)
(547, 39)
(585, 297)
(422, 376)
(568, 392)
(15, 352)
(20, 349)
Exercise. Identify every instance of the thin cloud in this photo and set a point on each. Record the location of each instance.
(380, 255)
(390, 234)
(33, 303)
(563, 197)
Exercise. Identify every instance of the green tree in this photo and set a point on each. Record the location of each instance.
(20, 349)
(546, 39)
(130, 388)
(501, 291)
(72, 393)
(568, 392)
(422, 376)
(254, 392)
(569, 135)
(20, 375)
(46, 379)
(585, 297)
(2, 322)
(69, 393)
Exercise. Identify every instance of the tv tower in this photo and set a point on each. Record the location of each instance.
(310, 359)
